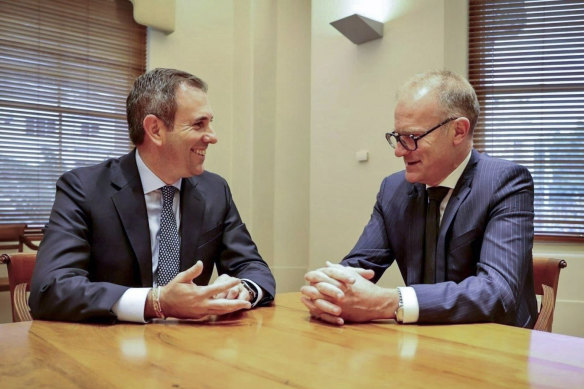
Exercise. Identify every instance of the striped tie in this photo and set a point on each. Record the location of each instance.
(435, 197)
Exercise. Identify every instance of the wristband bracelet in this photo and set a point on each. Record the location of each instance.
(399, 312)
(250, 290)
(156, 303)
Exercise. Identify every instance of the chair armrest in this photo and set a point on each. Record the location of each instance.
(29, 239)
(546, 314)
(20, 304)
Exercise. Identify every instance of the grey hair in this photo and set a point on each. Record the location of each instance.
(154, 92)
(455, 94)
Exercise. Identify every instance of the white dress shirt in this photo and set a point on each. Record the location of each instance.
(130, 307)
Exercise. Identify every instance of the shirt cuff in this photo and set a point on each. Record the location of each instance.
(130, 307)
(259, 291)
(410, 304)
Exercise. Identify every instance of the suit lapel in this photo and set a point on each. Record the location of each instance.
(131, 207)
(459, 194)
(191, 225)
(416, 214)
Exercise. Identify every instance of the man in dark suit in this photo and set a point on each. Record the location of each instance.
(475, 265)
(103, 256)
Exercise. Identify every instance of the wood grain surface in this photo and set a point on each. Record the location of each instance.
(280, 346)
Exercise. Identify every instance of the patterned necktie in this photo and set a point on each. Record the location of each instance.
(169, 253)
(435, 196)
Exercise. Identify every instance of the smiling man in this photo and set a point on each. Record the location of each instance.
(458, 223)
(137, 237)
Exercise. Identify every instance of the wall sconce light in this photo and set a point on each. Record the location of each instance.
(359, 29)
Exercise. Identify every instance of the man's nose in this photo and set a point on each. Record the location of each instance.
(400, 151)
(210, 136)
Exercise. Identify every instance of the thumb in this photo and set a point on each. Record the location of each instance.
(365, 273)
(190, 274)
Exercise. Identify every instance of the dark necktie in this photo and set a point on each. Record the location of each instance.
(435, 196)
(169, 252)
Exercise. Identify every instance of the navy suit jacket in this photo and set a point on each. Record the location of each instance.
(484, 267)
(97, 242)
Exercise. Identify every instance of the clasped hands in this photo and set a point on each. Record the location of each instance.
(337, 293)
(181, 298)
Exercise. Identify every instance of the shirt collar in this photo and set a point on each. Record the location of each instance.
(150, 181)
(452, 179)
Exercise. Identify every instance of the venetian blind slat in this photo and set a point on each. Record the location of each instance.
(66, 68)
(526, 62)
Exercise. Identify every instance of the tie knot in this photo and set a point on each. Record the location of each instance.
(168, 193)
(437, 193)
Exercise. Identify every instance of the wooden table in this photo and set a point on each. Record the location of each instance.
(280, 346)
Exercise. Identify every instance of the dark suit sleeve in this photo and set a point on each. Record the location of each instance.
(499, 290)
(372, 250)
(239, 255)
(61, 288)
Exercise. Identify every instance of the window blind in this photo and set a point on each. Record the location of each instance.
(66, 67)
(526, 62)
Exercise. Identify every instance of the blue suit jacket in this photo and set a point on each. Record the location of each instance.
(97, 241)
(484, 267)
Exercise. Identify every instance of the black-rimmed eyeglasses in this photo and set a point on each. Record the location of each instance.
(410, 142)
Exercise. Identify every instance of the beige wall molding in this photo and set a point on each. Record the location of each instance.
(157, 14)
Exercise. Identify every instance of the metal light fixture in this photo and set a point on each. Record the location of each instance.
(359, 29)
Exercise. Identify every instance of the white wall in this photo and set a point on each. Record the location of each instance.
(353, 98)
(255, 56)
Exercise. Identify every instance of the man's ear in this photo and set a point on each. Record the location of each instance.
(153, 128)
(461, 130)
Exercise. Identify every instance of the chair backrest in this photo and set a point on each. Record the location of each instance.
(32, 235)
(546, 275)
(20, 267)
(10, 236)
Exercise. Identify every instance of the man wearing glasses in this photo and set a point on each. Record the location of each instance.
(458, 223)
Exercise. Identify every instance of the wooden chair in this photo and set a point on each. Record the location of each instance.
(10, 239)
(20, 267)
(546, 274)
(10, 236)
(30, 236)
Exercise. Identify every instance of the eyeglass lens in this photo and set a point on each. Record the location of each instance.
(407, 142)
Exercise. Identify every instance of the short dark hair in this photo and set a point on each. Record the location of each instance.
(455, 94)
(154, 92)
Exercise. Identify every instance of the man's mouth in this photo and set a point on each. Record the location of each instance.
(200, 152)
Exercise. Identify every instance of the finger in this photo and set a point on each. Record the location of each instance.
(318, 314)
(221, 278)
(190, 274)
(341, 274)
(314, 311)
(220, 286)
(327, 307)
(233, 293)
(311, 292)
(329, 290)
(223, 306)
(221, 295)
(365, 273)
(332, 319)
(309, 304)
(316, 276)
